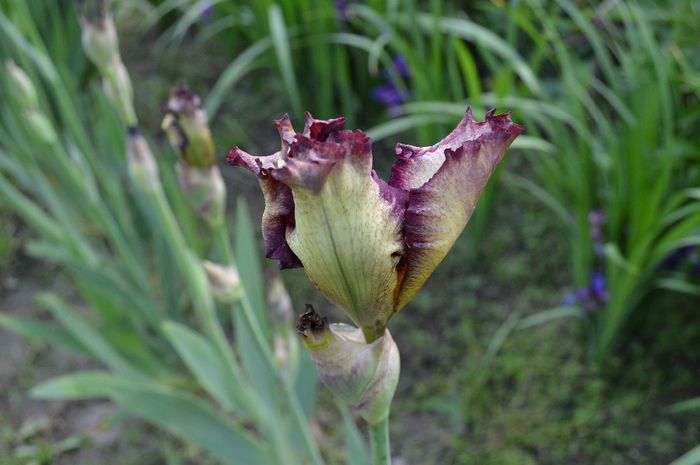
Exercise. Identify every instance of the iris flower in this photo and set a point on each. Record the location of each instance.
(367, 244)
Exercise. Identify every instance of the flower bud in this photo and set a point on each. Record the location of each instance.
(362, 375)
(278, 300)
(99, 35)
(40, 125)
(224, 281)
(141, 164)
(20, 86)
(285, 342)
(187, 128)
(118, 88)
(286, 354)
(204, 190)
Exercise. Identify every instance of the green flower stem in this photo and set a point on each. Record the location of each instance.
(379, 442)
(223, 244)
(201, 296)
(373, 333)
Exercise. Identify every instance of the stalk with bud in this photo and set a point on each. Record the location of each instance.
(367, 244)
(187, 128)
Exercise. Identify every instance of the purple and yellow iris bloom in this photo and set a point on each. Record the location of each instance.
(367, 244)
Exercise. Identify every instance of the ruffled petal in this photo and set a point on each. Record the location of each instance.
(347, 234)
(414, 166)
(279, 206)
(444, 183)
(369, 245)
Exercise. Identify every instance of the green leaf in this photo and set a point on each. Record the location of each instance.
(88, 336)
(542, 195)
(247, 252)
(612, 252)
(45, 332)
(238, 68)
(390, 128)
(685, 406)
(552, 314)
(280, 39)
(678, 285)
(177, 412)
(485, 38)
(691, 457)
(203, 361)
(355, 448)
(306, 386)
(39, 59)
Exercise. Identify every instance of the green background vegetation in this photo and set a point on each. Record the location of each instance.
(610, 99)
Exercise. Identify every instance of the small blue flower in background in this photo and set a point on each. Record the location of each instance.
(401, 66)
(390, 94)
(679, 257)
(595, 295)
(391, 97)
(208, 12)
(597, 287)
(341, 7)
(591, 297)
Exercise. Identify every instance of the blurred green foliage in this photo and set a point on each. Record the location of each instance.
(610, 95)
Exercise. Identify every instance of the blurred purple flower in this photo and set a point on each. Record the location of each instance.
(402, 65)
(208, 12)
(390, 94)
(597, 287)
(592, 297)
(341, 7)
(678, 257)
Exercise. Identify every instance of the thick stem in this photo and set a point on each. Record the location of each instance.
(379, 442)
(372, 333)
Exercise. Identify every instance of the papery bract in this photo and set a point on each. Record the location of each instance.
(363, 375)
(187, 127)
(369, 245)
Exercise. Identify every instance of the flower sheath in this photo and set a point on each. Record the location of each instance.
(369, 245)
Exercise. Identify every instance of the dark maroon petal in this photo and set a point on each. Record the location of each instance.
(259, 166)
(277, 218)
(320, 129)
(286, 132)
(279, 206)
(441, 199)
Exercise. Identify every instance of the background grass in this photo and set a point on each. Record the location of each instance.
(476, 388)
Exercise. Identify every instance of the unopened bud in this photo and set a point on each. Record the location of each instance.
(363, 375)
(204, 190)
(286, 354)
(117, 86)
(187, 128)
(40, 125)
(281, 312)
(278, 300)
(21, 87)
(224, 281)
(99, 35)
(142, 166)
